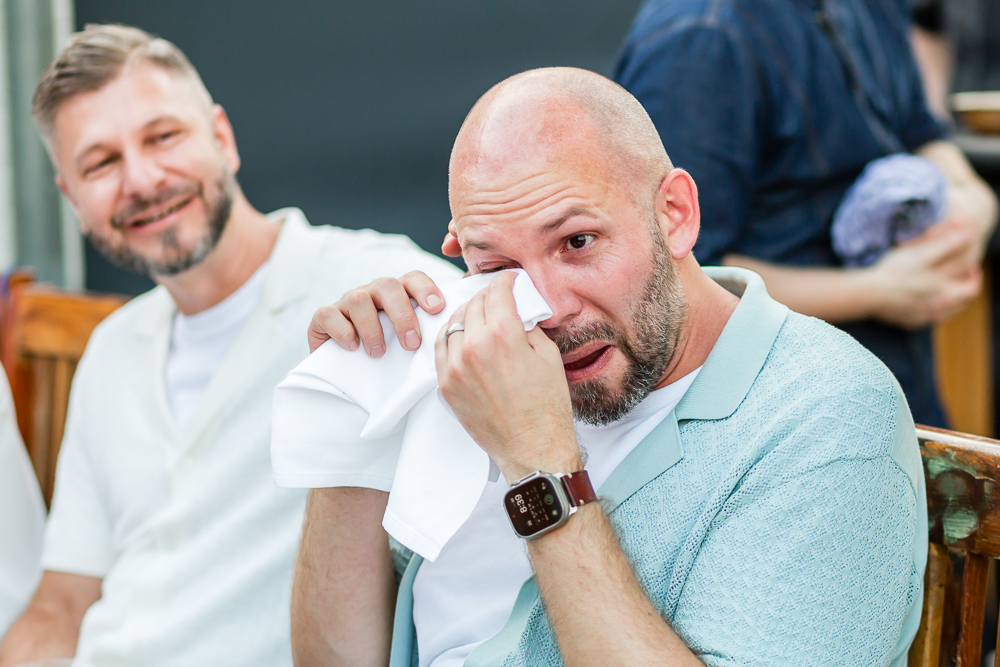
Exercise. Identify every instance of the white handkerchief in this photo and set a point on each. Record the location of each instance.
(344, 419)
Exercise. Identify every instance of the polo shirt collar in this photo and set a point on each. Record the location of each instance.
(289, 277)
(742, 348)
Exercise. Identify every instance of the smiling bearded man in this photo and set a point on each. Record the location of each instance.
(176, 257)
(167, 543)
(762, 497)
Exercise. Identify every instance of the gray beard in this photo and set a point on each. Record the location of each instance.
(656, 323)
(178, 258)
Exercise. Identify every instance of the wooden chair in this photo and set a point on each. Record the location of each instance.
(963, 351)
(963, 505)
(44, 333)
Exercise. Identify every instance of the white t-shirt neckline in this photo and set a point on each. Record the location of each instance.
(198, 344)
(456, 607)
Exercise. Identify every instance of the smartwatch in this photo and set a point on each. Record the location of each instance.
(541, 501)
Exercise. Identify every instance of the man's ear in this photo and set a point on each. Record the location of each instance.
(678, 213)
(63, 188)
(225, 137)
(450, 247)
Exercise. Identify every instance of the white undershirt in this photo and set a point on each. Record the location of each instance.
(198, 344)
(465, 597)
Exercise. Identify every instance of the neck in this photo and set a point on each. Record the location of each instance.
(244, 246)
(709, 306)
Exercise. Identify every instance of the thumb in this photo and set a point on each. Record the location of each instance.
(543, 345)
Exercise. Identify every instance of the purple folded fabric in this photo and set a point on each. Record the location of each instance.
(894, 199)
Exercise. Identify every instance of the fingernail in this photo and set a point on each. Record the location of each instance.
(353, 345)
(412, 339)
(433, 300)
(377, 351)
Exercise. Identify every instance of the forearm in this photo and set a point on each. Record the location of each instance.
(831, 294)
(934, 60)
(970, 198)
(343, 596)
(38, 634)
(599, 612)
(50, 626)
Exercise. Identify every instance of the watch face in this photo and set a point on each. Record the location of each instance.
(534, 505)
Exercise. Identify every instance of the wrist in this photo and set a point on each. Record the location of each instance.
(570, 532)
(543, 502)
(566, 463)
(868, 290)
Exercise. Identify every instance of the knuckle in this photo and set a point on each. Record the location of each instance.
(471, 355)
(342, 331)
(384, 284)
(405, 320)
(447, 390)
(356, 298)
(411, 276)
(325, 313)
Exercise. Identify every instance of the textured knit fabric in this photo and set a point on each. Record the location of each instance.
(895, 199)
(777, 517)
(775, 117)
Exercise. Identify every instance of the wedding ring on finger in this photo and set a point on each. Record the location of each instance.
(454, 328)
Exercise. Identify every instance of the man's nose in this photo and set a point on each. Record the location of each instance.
(141, 176)
(561, 299)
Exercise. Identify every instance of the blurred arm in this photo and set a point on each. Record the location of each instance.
(926, 280)
(50, 626)
(915, 284)
(934, 60)
(344, 593)
(971, 203)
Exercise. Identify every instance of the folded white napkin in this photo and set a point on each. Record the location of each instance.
(344, 419)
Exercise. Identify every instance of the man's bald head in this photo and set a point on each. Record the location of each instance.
(564, 116)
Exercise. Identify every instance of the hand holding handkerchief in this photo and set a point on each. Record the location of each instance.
(342, 418)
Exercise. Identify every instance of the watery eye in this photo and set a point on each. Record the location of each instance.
(579, 241)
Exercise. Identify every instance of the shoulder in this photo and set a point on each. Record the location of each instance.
(124, 323)
(360, 256)
(659, 20)
(687, 38)
(822, 390)
(115, 347)
(807, 349)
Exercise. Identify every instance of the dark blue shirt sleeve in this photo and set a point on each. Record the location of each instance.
(698, 86)
(919, 126)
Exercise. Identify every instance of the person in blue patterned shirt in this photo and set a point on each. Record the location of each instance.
(784, 104)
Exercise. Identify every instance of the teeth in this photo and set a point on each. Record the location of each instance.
(162, 214)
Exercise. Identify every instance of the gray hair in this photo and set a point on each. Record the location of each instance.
(97, 55)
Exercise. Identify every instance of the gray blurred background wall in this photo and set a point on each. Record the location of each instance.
(348, 109)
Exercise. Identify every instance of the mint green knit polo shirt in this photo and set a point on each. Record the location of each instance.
(776, 517)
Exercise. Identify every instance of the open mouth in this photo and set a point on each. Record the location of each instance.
(142, 222)
(583, 362)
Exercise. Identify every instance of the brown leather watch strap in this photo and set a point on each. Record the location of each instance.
(579, 488)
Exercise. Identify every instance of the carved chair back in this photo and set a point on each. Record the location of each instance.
(963, 511)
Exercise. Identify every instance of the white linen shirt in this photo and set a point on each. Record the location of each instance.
(193, 541)
(22, 516)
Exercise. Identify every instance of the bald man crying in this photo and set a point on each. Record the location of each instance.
(691, 473)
